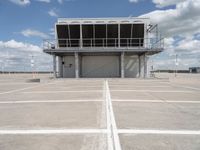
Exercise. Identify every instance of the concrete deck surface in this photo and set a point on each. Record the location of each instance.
(57, 114)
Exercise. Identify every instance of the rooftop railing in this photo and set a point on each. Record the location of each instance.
(129, 43)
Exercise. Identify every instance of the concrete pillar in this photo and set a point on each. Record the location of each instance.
(122, 64)
(76, 65)
(139, 57)
(145, 66)
(54, 66)
(60, 66)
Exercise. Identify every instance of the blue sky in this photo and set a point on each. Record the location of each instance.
(25, 23)
(16, 18)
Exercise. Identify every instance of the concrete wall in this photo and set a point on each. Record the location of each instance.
(100, 66)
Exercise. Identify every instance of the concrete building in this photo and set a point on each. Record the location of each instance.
(103, 47)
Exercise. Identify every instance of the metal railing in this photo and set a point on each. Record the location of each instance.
(148, 43)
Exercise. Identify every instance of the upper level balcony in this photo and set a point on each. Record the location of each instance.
(151, 45)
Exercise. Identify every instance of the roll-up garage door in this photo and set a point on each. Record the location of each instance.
(100, 66)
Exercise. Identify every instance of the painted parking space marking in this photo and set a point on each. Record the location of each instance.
(53, 131)
(22, 89)
(143, 131)
(41, 92)
(155, 91)
(154, 101)
(135, 86)
(186, 87)
(50, 101)
(112, 135)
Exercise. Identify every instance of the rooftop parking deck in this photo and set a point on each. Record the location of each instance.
(72, 113)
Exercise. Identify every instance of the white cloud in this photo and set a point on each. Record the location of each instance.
(189, 45)
(183, 20)
(30, 32)
(45, 1)
(164, 3)
(15, 56)
(133, 1)
(53, 13)
(60, 1)
(188, 51)
(52, 31)
(21, 2)
(19, 46)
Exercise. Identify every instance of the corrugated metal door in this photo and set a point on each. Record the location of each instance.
(100, 66)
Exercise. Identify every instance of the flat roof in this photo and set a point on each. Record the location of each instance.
(102, 20)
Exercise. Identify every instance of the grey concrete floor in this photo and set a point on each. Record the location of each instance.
(169, 104)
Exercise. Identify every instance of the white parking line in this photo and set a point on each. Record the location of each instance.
(81, 91)
(176, 132)
(187, 87)
(111, 124)
(153, 91)
(53, 131)
(96, 131)
(50, 101)
(154, 101)
(22, 89)
(135, 86)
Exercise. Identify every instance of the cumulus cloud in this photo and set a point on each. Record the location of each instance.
(21, 2)
(53, 13)
(45, 1)
(60, 1)
(19, 46)
(164, 3)
(133, 1)
(15, 55)
(183, 20)
(187, 49)
(31, 32)
(52, 31)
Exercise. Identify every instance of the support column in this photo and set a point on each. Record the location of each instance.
(54, 66)
(81, 37)
(145, 66)
(60, 66)
(122, 64)
(76, 65)
(139, 57)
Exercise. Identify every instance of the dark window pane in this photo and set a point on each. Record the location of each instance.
(137, 35)
(62, 33)
(125, 35)
(112, 35)
(88, 35)
(74, 35)
(100, 35)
